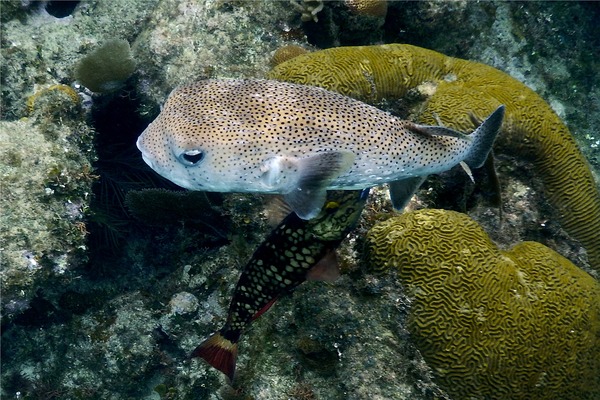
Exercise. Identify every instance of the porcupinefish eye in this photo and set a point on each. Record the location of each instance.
(191, 157)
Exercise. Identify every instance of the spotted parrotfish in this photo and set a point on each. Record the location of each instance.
(296, 250)
(266, 136)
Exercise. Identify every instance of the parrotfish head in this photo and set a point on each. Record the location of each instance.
(339, 215)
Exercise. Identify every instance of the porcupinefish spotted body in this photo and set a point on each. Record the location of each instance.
(292, 253)
(265, 136)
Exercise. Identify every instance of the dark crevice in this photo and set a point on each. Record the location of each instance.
(62, 8)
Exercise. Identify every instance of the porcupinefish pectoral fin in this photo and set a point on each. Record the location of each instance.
(402, 190)
(311, 175)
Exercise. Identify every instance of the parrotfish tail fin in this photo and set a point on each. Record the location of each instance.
(483, 138)
(219, 352)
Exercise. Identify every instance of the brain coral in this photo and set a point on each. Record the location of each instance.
(517, 324)
(531, 128)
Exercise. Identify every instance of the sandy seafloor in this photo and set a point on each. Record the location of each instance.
(111, 275)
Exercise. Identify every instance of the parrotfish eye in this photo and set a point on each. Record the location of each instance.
(191, 157)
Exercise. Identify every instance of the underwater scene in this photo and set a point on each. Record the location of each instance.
(300, 199)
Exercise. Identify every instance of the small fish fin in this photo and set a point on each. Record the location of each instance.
(437, 118)
(316, 173)
(430, 130)
(276, 209)
(401, 191)
(466, 168)
(264, 309)
(475, 120)
(495, 187)
(483, 138)
(219, 352)
(326, 269)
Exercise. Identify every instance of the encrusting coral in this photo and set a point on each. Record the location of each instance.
(375, 8)
(518, 324)
(457, 88)
(64, 89)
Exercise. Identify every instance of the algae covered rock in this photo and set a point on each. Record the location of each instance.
(519, 324)
(45, 179)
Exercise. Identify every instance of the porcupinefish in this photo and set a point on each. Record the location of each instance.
(266, 136)
(294, 251)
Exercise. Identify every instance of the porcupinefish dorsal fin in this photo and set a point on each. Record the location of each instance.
(431, 130)
(402, 190)
(307, 178)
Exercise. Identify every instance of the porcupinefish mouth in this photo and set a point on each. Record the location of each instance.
(183, 180)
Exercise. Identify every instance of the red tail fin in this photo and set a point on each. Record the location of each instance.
(218, 352)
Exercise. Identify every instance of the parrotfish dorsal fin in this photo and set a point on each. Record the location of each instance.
(276, 209)
(326, 269)
(312, 175)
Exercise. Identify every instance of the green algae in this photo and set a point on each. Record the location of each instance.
(107, 67)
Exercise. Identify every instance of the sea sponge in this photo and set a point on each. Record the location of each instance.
(531, 129)
(107, 67)
(517, 324)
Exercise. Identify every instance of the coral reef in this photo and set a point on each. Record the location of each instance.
(51, 102)
(519, 324)
(456, 88)
(39, 49)
(123, 325)
(45, 180)
(161, 207)
(308, 9)
(188, 40)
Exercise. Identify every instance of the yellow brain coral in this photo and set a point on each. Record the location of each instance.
(518, 324)
(286, 53)
(531, 129)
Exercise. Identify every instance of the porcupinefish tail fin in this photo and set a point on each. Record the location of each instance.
(219, 352)
(483, 138)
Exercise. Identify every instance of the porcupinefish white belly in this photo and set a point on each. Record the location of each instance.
(265, 136)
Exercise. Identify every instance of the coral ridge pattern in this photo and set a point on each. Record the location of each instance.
(516, 324)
